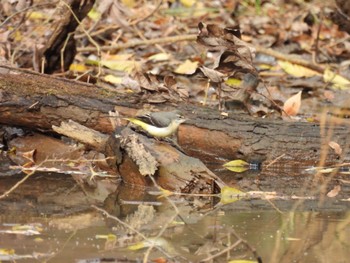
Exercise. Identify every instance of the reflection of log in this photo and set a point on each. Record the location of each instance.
(40, 101)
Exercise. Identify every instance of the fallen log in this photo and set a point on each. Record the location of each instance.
(40, 101)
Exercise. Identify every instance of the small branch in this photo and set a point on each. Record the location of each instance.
(16, 185)
(141, 43)
(290, 58)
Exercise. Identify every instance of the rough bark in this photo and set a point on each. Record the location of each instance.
(39, 101)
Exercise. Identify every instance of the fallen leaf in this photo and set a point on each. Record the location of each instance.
(160, 57)
(188, 3)
(188, 67)
(292, 105)
(237, 166)
(334, 192)
(338, 81)
(297, 70)
(336, 147)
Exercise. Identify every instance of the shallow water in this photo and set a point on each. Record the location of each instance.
(68, 225)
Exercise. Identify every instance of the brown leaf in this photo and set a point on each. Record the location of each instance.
(336, 147)
(29, 155)
(334, 192)
(292, 105)
(212, 74)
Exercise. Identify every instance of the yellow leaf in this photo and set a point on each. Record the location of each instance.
(159, 57)
(188, 3)
(94, 14)
(296, 70)
(233, 82)
(188, 67)
(36, 15)
(292, 105)
(236, 163)
(129, 3)
(137, 246)
(237, 166)
(338, 81)
(78, 67)
(230, 195)
(113, 79)
(126, 66)
(7, 251)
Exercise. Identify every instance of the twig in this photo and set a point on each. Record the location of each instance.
(141, 43)
(149, 15)
(16, 185)
(26, 9)
(275, 160)
(291, 58)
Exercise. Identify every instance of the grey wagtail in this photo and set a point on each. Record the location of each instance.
(171, 119)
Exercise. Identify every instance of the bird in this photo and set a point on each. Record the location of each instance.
(165, 123)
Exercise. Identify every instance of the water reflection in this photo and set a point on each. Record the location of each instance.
(182, 230)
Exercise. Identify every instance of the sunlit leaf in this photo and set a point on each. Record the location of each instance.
(129, 3)
(338, 81)
(7, 251)
(292, 105)
(188, 3)
(336, 147)
(113, 79)
(160, 57)
(237, 163)
(121, 65)
(335, 191)
(36, 15)
(138, 246)
(237, 169)
(233, 82)
(188, 67)
(296, 70)
(94, 14)
(237, 166)
(78, 67)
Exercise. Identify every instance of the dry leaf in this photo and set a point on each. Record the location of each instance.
(296, 70)
(336, 147)
(188, 67)
(334, 192)
(292, 105)
(338, 81)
